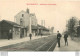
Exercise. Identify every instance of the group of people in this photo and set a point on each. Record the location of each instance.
(59, 37)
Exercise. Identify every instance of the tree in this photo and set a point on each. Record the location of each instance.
(71, 26)
(78, 30)
(79, 22)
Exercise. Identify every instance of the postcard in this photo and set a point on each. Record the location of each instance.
(39, 25)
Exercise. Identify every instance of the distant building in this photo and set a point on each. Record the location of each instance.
(9, 30)
(52, 29)
(43, 30)
(23, 19)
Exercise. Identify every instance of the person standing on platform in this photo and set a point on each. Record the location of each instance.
(65, 38)
(30, 35)
(58, 38)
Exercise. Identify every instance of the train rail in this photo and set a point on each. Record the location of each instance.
(48, 46)
(43, 44)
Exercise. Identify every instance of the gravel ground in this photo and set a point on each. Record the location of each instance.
(77, 39)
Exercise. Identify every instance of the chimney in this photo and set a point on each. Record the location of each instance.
(27, 10)
(42, 22)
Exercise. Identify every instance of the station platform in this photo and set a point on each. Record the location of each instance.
(73, 45)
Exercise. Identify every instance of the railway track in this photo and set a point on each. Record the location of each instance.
(42, 44)
(48, 46)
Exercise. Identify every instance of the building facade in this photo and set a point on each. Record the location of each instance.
(43, 30)
(9, 30)
(23, 19)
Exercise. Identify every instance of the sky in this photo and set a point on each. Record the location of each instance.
(54, 15)
(41, 53)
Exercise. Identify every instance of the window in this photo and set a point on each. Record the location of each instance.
(22, 15)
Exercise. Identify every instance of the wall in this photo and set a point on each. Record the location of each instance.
(33, 20)
(16, 32)
(25, 18)
(5, 27)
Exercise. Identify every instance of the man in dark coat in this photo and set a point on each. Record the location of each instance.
(58, 38)
(65, 38)
(30, 35)
(10, 34)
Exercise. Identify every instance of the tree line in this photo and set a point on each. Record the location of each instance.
(73, 27)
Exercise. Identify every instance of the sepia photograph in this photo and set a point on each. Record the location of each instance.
(39, 25)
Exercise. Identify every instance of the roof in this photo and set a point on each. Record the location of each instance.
(33, 27)
(11, 23)
(20, 12)
(42, 27)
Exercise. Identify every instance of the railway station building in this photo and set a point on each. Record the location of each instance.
(9, 29)
(23, 18)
